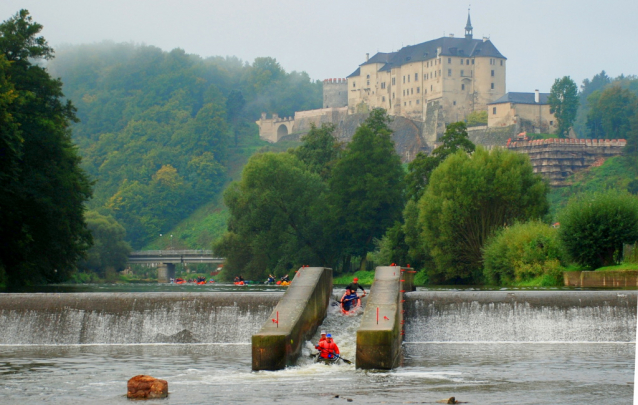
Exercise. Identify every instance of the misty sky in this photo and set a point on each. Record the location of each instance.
(542, 39)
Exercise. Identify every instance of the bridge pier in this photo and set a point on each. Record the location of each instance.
(165, 271)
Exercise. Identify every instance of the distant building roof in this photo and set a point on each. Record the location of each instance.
(450, 46)
(521, 98)
(355, 73)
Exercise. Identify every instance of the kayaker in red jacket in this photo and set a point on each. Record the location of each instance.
(327, 348)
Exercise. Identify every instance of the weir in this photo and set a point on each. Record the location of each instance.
(380, 334)
(130, 318)
(295, 319)
(521, 316)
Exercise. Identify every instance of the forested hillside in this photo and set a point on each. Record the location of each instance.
(158, 130)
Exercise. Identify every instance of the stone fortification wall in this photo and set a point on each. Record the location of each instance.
(335, 93)
(556, 159)
(491, 136)
(303, 119)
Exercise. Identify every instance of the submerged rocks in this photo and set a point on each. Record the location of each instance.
(146, 387)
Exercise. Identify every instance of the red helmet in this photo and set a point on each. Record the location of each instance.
(355, 279)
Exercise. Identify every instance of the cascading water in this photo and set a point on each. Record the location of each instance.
(529, 316)
(130, 318)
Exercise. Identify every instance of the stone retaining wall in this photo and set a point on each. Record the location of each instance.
(608, 279)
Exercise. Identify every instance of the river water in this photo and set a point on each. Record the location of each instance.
(477, 371)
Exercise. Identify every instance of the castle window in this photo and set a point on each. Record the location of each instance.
(393, 81)
(417, 102)
(418, 90)
(462, 87)
(472, 61)
(393, 96)
(492, 73)
(501, 63)
(354, 84)
(430, 87)
(410, 102)
(551, 123)
(416, 77)
(467, 62)
(449, 60)
(425, 91)
(408, 78)
(368, 82)
(404, 103)
(462, 73)
(492, 86)
(367, 77)
(411, 91)
(494, 110)
(461, 61)
(404, 92)
(453, 102)
(403, 79)
(449, 72)
(383, 99)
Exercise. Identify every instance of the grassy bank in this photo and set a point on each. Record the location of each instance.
(367, 278)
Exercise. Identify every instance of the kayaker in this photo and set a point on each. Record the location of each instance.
(328, 348)
(322, 338)
(285, 279)
(355, 286)
(271, 279)
(349, 299)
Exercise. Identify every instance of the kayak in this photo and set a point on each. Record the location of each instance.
(240, 283)
(334, 360)
(201, 282)
(180, 281)
(354, 307)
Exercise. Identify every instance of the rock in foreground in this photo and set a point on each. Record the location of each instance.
(146, 387)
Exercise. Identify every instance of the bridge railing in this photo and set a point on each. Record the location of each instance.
(171, 252)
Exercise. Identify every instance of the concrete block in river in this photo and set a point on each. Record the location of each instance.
(379, 336)
(299, 312)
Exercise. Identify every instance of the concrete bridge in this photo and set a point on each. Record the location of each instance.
(166, 260)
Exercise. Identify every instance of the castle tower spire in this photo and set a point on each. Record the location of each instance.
(468, 26)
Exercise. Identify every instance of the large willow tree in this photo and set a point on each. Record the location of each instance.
(467, 199)
(42, 229)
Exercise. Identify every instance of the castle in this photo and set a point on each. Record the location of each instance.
(432, 84)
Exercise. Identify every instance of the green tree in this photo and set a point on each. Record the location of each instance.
(522, 252)
(43, 233)
(477, 118)
(366, 187)
(319, 150)
(277, 218)
(109, 249)
(563, 100)
(611, 113)
(419, 170)
(594, 227)
(468, 198)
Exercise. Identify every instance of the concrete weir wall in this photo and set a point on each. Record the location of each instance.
(380, 334)
(300, 311)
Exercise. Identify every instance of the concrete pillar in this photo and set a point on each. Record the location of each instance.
(165, 272)
(295, 319)
(380, 335)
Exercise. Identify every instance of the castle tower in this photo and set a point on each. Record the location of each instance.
(468, 26)
(335, 93)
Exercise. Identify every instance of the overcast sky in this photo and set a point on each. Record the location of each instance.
(542, 39)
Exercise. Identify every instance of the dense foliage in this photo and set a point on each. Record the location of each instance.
(594, 227)
(615, 107)
(468, 198)
(563, 101)
(158, 130)
(522, 252)
(419, 170)
(277, 211)
(42, 229)
(109, 250)
(366, 186)
(319, 204)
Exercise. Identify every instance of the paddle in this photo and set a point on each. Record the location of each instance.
(344, 360)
